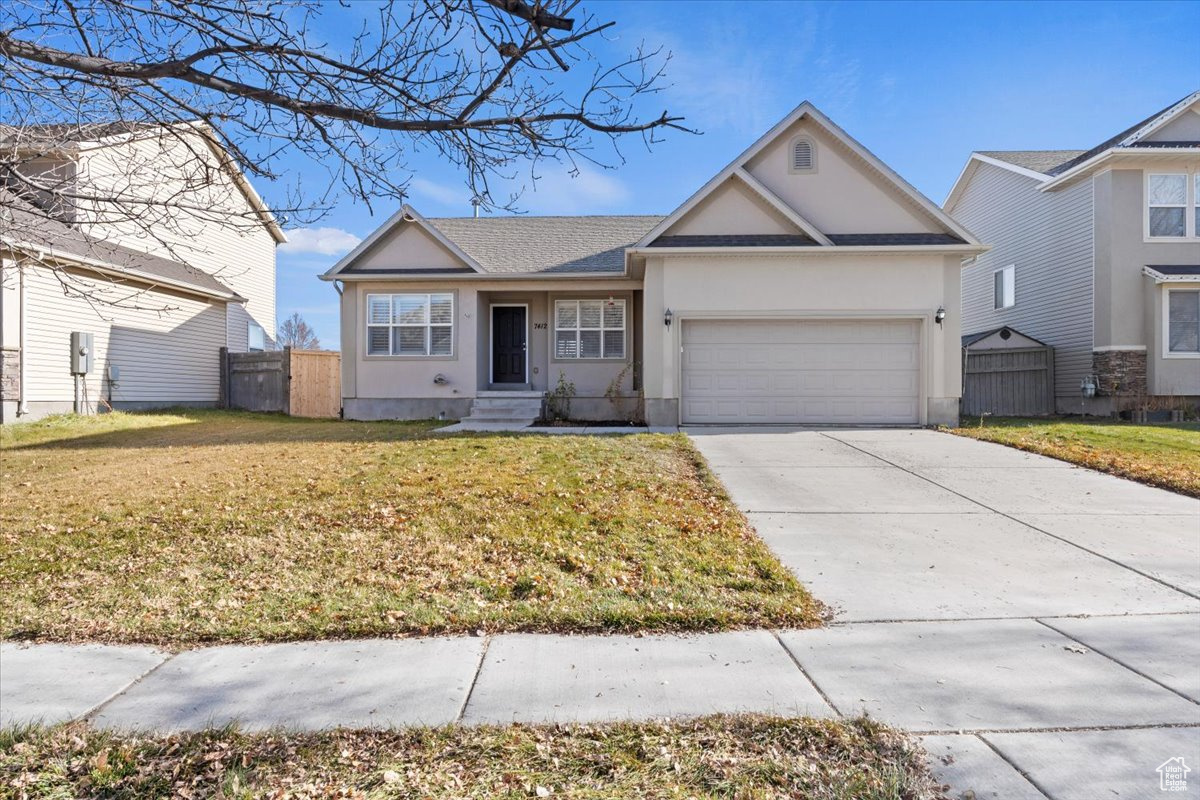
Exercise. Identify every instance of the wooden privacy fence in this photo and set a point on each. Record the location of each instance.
(301, 383)
(1015, 382)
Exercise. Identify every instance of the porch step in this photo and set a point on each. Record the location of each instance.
(520, 394)
(506, 407)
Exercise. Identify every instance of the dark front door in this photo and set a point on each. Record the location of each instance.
(508, 344)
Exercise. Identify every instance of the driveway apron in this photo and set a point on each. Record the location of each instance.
(1038, 623)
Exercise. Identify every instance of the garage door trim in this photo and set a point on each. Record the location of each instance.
(924, 320)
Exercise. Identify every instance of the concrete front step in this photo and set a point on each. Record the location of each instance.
(514, 407)
(520, 394)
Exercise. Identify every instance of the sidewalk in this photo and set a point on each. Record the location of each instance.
(1043, 692)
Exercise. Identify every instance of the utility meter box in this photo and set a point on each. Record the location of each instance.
(81, 353)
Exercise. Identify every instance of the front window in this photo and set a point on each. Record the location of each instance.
(589, 328)
(1004, 288)
(410, 324)
(1173, 205)
(1183, 321)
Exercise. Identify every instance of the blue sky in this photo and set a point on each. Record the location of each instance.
(920, 84)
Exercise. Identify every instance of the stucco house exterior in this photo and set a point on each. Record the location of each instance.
(1097, 253)
(160, 297)
(806, 282)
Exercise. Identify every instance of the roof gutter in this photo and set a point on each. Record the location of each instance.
(1080, 169)
(104, 268)
(813, 250)
(475, 276)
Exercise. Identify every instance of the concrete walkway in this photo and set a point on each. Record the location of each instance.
(1038, 624)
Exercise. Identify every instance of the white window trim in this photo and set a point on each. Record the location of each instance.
(1013, 268)
(791, 154)
(1166, 322)
(624, 330)
(452, 355)
(1191, 200)
(250, 326)
(492, 338)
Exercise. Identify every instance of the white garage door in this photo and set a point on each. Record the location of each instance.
(801, 371)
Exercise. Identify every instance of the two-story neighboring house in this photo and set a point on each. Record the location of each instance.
(1097, 253)
(149, 238)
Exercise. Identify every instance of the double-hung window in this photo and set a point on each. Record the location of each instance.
(1004, 288)
(1183, 321)
(1173, 205)
(589, 329)
(410, 324)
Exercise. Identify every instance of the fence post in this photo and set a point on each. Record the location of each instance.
(287, 381)
(223, 383)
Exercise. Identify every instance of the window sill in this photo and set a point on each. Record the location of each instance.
(621, 360)
(1182, 355)
(409, 358)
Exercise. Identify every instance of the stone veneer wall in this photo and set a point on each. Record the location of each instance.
(1120, 372)
(10, 374)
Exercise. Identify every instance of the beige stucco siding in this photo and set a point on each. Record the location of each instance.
(843, 194)
(383, 378)
(847, 286)
(408, 247)
(732, 209)
(164, 356)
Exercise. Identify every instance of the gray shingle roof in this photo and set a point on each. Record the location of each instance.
(1056, 162)
(1176, 270)
(796, 240)
(1042, 161)
(25, 224)
(550, 245)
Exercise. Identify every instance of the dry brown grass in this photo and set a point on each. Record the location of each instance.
(1165, 455)
(197, 527)
(716, 757)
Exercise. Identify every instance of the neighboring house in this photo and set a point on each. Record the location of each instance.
(805, 283)
(160, 296)
(1096, 253)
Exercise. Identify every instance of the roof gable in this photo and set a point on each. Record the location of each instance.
(732, 208)
(1180, 128)
(896, 202)
(387, 249)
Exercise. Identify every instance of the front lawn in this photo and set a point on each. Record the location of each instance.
(1166, 455)
(193, 527)
(714, 757)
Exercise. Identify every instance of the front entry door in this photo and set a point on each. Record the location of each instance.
(508, 344)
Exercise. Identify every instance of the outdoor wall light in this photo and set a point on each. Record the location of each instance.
(668, 315)
(939, 316)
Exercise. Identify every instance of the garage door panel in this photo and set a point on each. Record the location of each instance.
(801, 371)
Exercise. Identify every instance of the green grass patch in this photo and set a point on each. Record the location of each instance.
(1166, 455)
(715, 757)
(195, 527)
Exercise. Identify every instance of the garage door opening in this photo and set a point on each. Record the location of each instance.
(855, 372)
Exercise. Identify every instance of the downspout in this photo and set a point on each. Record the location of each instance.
(22, 403)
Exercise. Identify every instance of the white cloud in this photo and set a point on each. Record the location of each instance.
(588, 191)
(451, 196)
(321, 241)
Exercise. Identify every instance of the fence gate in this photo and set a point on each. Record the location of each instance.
(1011, 382)
(301, 383)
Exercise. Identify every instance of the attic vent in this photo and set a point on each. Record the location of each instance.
(803, 156)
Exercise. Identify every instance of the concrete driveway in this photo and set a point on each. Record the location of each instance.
(1038, 621)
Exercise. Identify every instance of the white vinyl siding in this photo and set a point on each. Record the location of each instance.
(410, 324)
(801, 371)
(1050, 235)
(589, 329)
(241, 255)
(164, 356)
(1004, 288)
(1183, 321)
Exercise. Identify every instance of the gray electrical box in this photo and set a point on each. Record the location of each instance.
(81, 353)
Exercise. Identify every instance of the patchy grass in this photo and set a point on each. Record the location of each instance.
(1166, 455)
(194, 527)
(713, 757)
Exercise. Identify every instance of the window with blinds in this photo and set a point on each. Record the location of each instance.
(410, 324)
(589, 329)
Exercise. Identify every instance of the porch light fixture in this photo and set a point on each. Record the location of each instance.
(940, 315)
(668, 315)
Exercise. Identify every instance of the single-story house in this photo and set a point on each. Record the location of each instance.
(804, 283)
